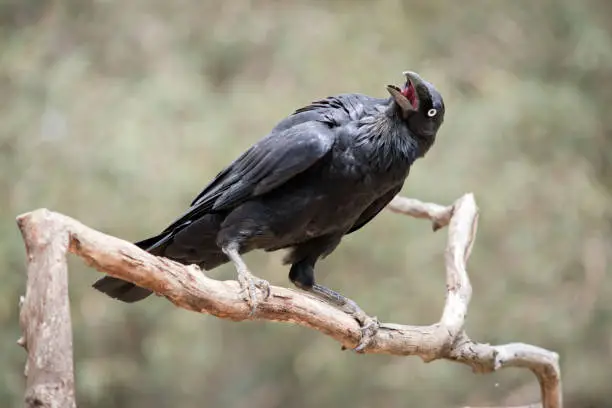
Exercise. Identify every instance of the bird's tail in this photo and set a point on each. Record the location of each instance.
(127, 291)
(186, 243)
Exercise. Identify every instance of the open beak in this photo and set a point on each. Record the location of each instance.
(414, 81)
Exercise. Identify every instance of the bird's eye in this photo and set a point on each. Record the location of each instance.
(431, 113)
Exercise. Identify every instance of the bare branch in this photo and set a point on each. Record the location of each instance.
(45, 315)
(189, 288)
(439, 215)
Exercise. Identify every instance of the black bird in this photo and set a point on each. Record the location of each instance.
(322, 173)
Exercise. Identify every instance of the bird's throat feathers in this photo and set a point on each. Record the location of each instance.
(390, 142)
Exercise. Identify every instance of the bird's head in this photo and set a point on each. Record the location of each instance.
(419, 104)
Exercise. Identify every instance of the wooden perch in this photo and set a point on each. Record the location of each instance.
(49, 235)
(45, 314)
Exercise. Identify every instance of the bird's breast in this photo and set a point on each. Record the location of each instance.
(330, 197)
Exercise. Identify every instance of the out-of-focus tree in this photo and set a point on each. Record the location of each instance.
(118, 112)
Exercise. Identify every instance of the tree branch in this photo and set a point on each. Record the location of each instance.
(188, 287)
(45, 315)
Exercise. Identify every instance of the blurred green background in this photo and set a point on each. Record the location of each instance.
(118, 112)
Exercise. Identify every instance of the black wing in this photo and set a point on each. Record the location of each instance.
(374, 208)
(269, 163)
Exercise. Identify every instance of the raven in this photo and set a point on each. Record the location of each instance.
(321, 173)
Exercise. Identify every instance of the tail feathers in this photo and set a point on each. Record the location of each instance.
(121, 290)
(127, 291)
(177, 244)
(156, 245)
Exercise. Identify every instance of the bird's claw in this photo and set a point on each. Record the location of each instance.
(369, 328)
(249, 285)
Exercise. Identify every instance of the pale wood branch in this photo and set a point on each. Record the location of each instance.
(45, 315)
(188, 287)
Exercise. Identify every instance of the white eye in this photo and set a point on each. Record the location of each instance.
(431, 113)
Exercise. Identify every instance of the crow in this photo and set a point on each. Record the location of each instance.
(323, 172)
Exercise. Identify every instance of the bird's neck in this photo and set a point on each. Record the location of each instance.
(392, 143)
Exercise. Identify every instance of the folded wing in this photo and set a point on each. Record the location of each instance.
(268, 164)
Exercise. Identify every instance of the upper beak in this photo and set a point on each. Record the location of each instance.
(414, 78)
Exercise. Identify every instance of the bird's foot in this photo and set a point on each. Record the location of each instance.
(248, 282)
(369, 325)
(369, 328)
(249, 285)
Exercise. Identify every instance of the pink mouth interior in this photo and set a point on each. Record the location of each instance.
(410, 93)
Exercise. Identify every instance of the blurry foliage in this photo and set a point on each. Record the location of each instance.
(119, 112)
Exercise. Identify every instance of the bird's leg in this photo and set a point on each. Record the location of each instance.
(302, 275)
(248, 282)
